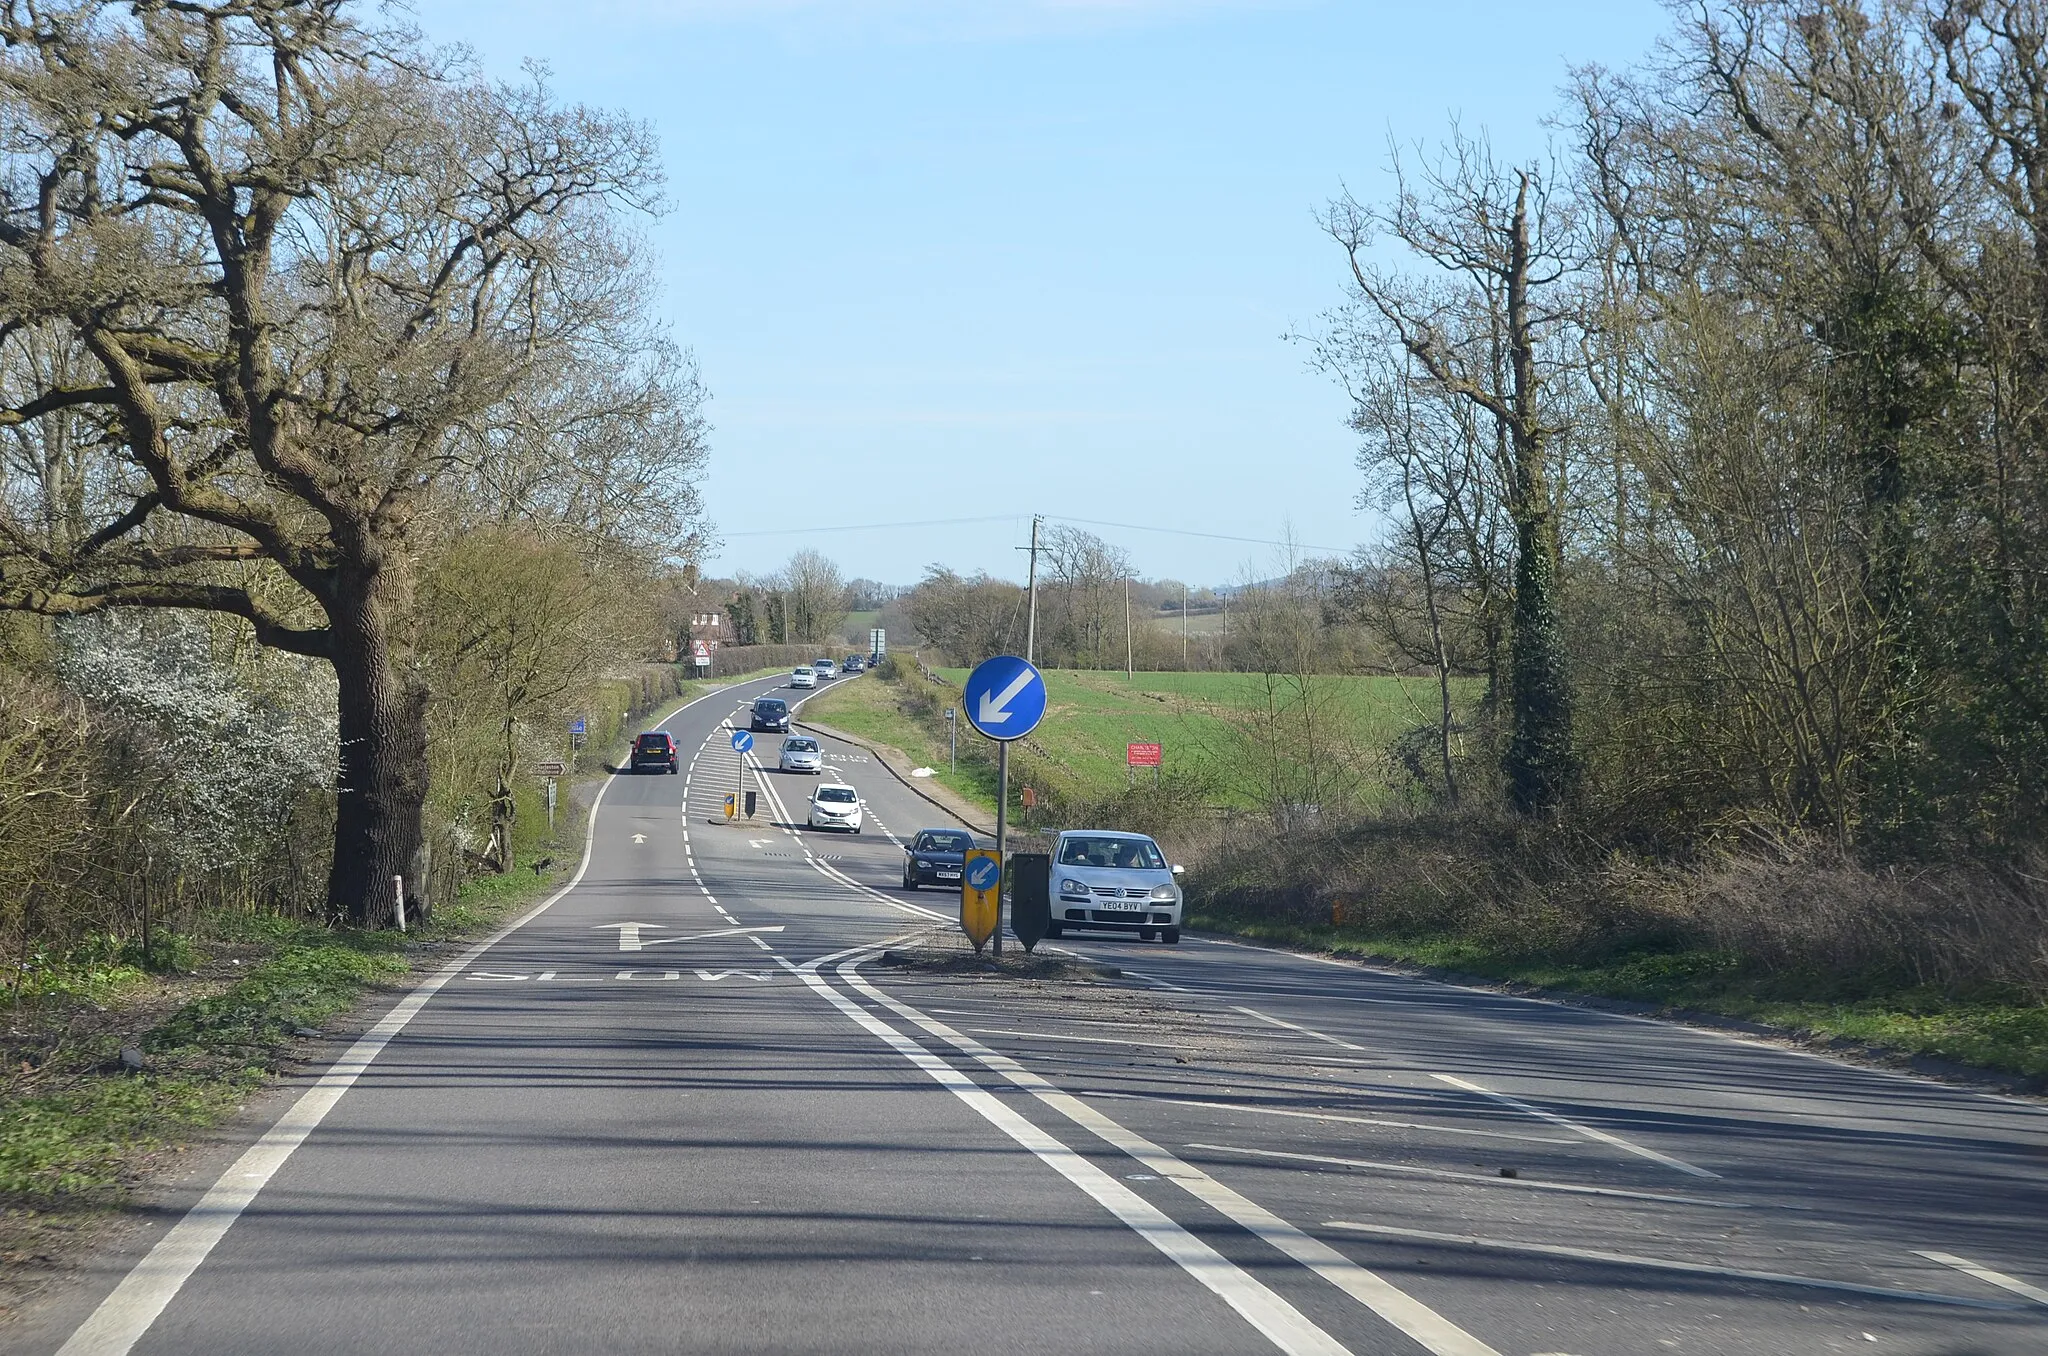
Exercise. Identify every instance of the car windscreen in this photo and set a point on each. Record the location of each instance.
(770, 707)
(799, 746)
(1134, 854)
(838, 795)
(944, 842)
(802, 671)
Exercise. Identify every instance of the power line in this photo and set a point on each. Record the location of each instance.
(1189, 532)
(1056, 517)
(871, 527)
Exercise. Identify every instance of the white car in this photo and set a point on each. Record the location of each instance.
(804, 676)
(800, 753)
(835, 806)
(1108, 881)
(824, 668)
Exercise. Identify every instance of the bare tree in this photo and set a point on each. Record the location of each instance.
(285, 258)
(816, 598)
(1479, 331)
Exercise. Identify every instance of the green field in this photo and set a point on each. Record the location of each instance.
(1198, 719)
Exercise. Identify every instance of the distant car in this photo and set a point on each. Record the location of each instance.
(935, 857)
(854, 664)
(769, 716)
(655, 751)
(1108, 881)
(800, 753)
(825, 668)
(835, 806)
(803, 677)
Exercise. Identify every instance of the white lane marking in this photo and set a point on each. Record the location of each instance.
(1431, 1330)
(1481, 1179)
(1280, 1322)
(1988, 1276)
(126, 1314)
(1667, 1264)
(1374, 1121)
(713, 976)
(1306, 1031)
(863, 949)
(1091, 1040)
(1588, 1131)
(758, 942)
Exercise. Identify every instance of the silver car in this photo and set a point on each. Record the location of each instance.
(800, 753)
(1108, 881)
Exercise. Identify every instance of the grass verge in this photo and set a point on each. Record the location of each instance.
(1986, 1030)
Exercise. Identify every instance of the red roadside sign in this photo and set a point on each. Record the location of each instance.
(1142, 755)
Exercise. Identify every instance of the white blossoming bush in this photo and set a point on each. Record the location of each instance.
(221, 749)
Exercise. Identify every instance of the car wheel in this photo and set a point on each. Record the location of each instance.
(1171, 936)
(910, 882)
(1145, 934)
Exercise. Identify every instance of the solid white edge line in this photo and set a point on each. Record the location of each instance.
(1435, 1333)
(1280, 1322)
(1588, 1131)
(118, 1322)
(1988, 1276)
(1667, 1264)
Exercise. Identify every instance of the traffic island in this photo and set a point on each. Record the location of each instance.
(946, 951)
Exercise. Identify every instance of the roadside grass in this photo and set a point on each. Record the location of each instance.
(1091, 717)
(1989, 1028)
(1198, 719)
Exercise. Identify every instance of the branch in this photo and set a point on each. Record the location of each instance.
(271, 629)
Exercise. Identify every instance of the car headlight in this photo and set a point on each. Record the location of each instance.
(1164, 893)
(1072, 887)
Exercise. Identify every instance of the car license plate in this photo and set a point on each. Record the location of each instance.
(1120, 905)
(949, 875)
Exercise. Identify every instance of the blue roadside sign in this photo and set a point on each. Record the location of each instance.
(576, 726)
(742, 741)
(984, 872)
(1004, 697)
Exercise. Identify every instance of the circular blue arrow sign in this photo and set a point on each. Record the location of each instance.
(984, 872)
(1005, 697)
(742, 741)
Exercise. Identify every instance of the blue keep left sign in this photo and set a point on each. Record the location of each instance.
(1004, 697)
(742, 741)
(983, 873)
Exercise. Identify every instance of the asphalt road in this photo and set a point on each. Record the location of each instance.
(682, 1109)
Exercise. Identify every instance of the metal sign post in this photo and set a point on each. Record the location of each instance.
(953, 737)
(1005, 700)
(577, 731)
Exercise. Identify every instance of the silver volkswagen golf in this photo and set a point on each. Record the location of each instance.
(1114, 882)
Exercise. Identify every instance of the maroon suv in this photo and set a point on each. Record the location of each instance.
(655, 751)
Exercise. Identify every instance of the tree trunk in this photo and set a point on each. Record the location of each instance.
(380, 811)
(1539, 761)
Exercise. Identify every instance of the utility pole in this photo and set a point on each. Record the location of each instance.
(1128, 671)
(1031, 619)
(1183, 628)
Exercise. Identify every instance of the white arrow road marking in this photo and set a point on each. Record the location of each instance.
(722, 932)
(995, 709)
(713, 976)
(629, 933)
(758, 842)
(639, 837)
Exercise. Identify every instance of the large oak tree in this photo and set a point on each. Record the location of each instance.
(265, 271)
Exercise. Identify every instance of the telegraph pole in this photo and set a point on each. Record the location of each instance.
(1183, 628)
(1128, 672)
(1031, 619)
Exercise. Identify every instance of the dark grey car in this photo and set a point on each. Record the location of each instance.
(935, 857)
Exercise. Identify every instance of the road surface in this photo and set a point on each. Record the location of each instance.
(684, 1109)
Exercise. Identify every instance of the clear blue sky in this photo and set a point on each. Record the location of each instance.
(942, 259)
